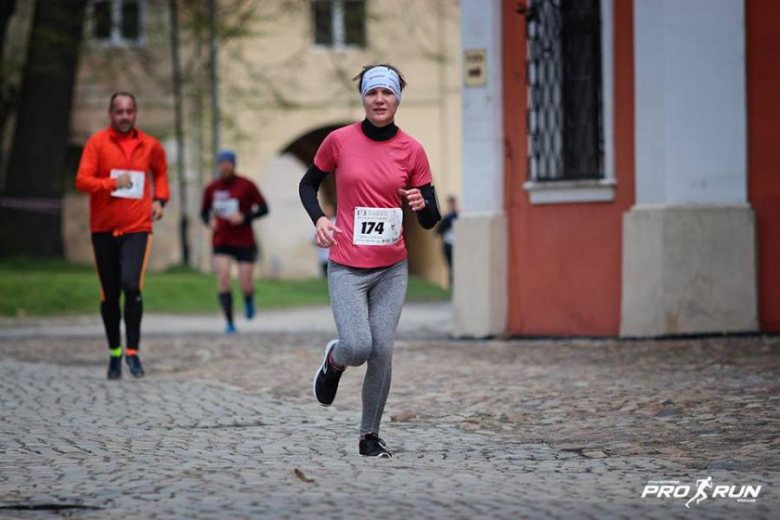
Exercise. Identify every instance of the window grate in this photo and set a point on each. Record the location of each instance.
(564, 119)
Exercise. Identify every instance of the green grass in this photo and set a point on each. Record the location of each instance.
(49, 287)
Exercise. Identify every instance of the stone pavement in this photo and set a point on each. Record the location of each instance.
(431, 320)
(224, 427)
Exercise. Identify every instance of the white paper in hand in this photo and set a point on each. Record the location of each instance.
(136, 188)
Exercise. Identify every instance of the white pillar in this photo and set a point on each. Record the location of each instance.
(480, 253)
(689, 243)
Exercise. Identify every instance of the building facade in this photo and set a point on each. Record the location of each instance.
(285, 81)
(633, 189)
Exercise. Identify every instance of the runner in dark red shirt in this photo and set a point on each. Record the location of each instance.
(230, 204)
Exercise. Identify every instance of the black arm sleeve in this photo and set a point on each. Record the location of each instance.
(260, 210)
(307, 189)
(204, 216)
(429, 215)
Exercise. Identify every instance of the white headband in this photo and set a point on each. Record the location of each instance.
(381, 77)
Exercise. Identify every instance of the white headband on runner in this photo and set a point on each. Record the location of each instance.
(381, 77)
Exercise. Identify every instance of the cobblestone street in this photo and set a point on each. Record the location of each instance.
(225, 427)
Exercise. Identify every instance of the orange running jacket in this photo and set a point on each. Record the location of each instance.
(104, 153)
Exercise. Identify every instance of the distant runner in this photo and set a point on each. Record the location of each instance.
(126, 175)
(446, 230)
(230, 204)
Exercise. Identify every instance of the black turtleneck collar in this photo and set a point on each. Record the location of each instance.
(376, 133)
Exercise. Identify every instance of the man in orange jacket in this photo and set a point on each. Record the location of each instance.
(115, 170)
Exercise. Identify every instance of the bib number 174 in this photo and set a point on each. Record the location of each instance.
(377, 226)
(369, 228)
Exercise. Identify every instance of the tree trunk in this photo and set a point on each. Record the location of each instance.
(35, 174)
(177, 97)
(214, 75)
(7, 9)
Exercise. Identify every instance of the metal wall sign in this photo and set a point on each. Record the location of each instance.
(475, 67)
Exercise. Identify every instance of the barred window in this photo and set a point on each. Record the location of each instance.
(565, 127)
(339, 23)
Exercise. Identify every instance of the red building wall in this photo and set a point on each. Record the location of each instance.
(565, 259)
(763, 98)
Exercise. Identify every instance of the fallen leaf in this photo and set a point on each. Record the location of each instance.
(302, 476)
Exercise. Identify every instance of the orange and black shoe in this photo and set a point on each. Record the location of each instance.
(134, 363)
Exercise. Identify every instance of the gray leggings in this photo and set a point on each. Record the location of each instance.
(367, 306)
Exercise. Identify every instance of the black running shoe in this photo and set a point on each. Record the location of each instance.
(372, 446)
(135, 366)
(326, 380)
(115, 367)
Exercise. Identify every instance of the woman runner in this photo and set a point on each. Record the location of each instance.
(376, 166)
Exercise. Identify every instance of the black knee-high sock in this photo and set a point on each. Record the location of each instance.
(226, 301)
(249, 297)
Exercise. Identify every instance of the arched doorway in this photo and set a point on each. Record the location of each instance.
(305, 148)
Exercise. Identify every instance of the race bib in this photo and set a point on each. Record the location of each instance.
(136, 188)
(377, 226)
(225, 207)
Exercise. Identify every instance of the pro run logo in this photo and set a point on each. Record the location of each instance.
(703, 490)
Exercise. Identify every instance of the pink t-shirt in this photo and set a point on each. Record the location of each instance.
(369, 174)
